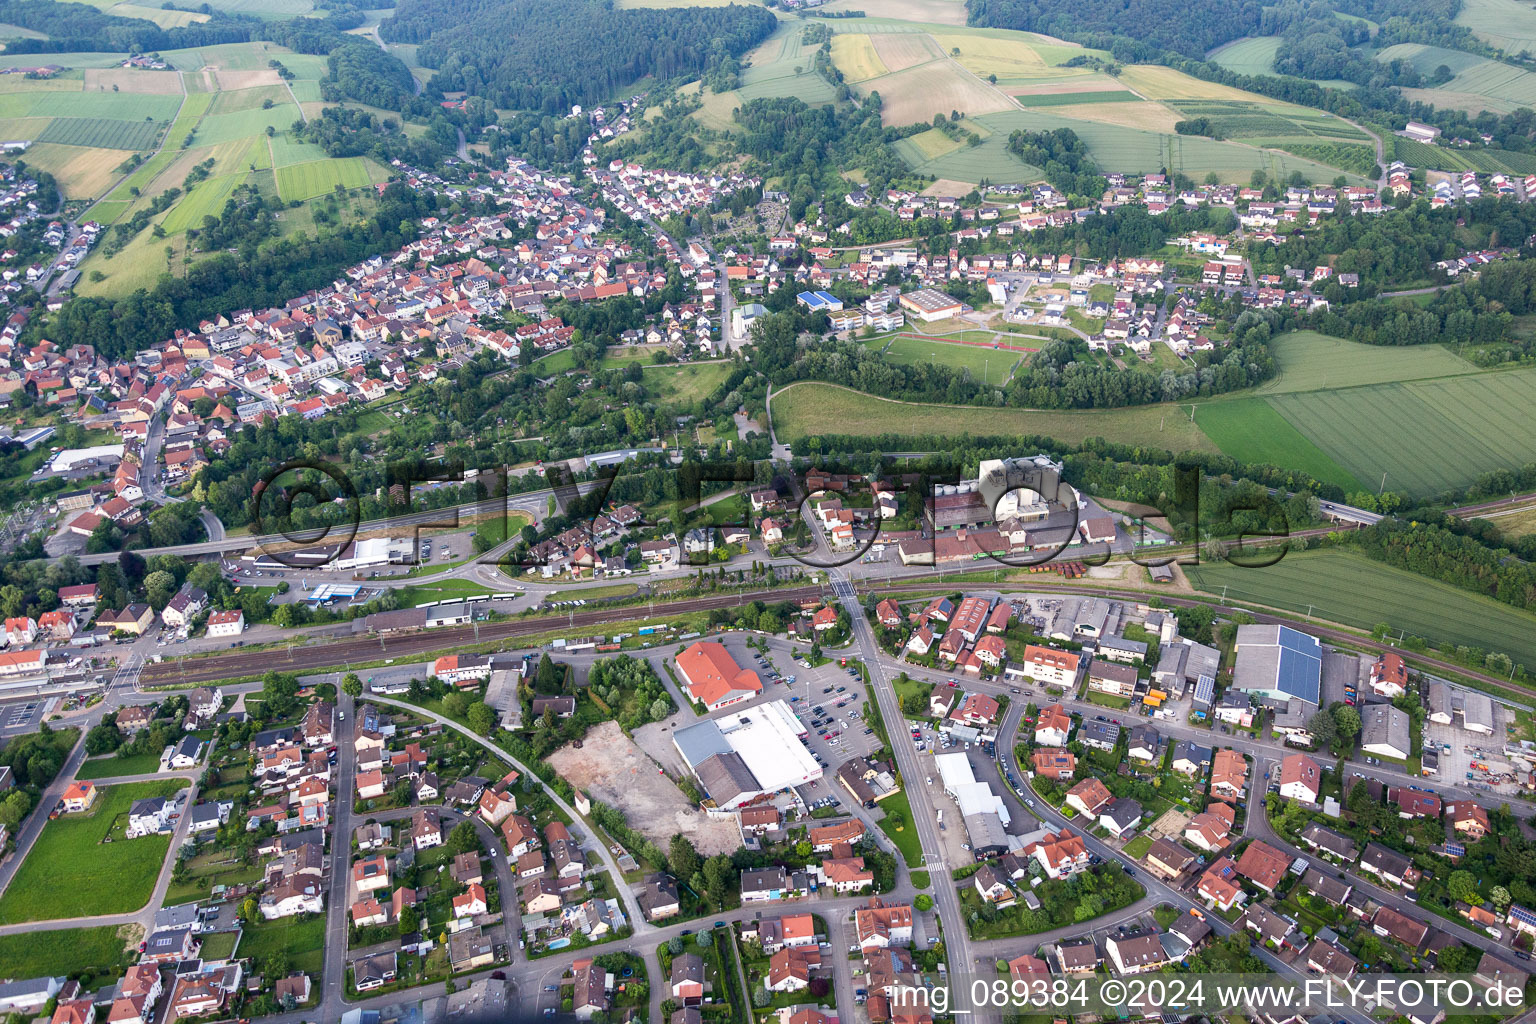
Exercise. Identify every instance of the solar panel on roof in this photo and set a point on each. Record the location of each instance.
(1455, 850)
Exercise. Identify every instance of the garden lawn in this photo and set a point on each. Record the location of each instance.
(443, 590)
(906, 840)
(301, 938)
(34, 954)
(111, 766)
(70, 872)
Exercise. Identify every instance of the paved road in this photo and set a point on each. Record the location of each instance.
(333, 986)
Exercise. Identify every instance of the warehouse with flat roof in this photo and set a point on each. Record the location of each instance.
(742, 755)
(1278, 663)
(930, 304)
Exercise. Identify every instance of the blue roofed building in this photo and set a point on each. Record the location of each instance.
(1278, 663)
(819, 301)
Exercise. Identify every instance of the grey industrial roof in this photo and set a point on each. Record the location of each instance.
(698, 743)
(726, 776)
(1280, 661)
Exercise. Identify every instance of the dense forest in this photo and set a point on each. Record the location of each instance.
(361, 71)
(258, 275)
(551, 55)
(347, 131)
(1188, 27)
(1064, 158)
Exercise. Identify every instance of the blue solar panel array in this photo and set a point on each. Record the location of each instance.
(1301, 665)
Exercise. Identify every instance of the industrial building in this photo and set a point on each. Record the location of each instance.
(746, 754)
(984, 813)
(930, 304)
(1278, 663)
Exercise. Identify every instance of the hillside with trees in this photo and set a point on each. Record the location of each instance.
(552, 55)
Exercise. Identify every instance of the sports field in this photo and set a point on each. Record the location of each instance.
(813, 409)
(1341, 586)
(1426, 436)
(988, 365)
(1250, 430)
(1311, 362)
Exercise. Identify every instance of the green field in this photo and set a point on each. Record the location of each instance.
(1507, 24)
(70, 872)
(1067, 99)
(773, 63)
(1250, 430)
(1253, 55)
(1426, 436)
(206, 199)
(316, 178)
(1235, 119)
(117, 106)
(286, 151)
(1478, 82)
(813, 409)
(1312, 362)
(1341, 586)
(102, 133)
(1115, 148)
(225, 127)
(988, 365)
(66, 951)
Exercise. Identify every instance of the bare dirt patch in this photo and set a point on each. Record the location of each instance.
(146, 83)
(901, 50)
(947, 187)
(1148, 116)
(611, 768)
(936, 88)
(230, 80)
(1094, 83)
(1170, 824)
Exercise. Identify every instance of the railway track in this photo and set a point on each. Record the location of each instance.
(331, 654)
(1472, 511)
(372, 648)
